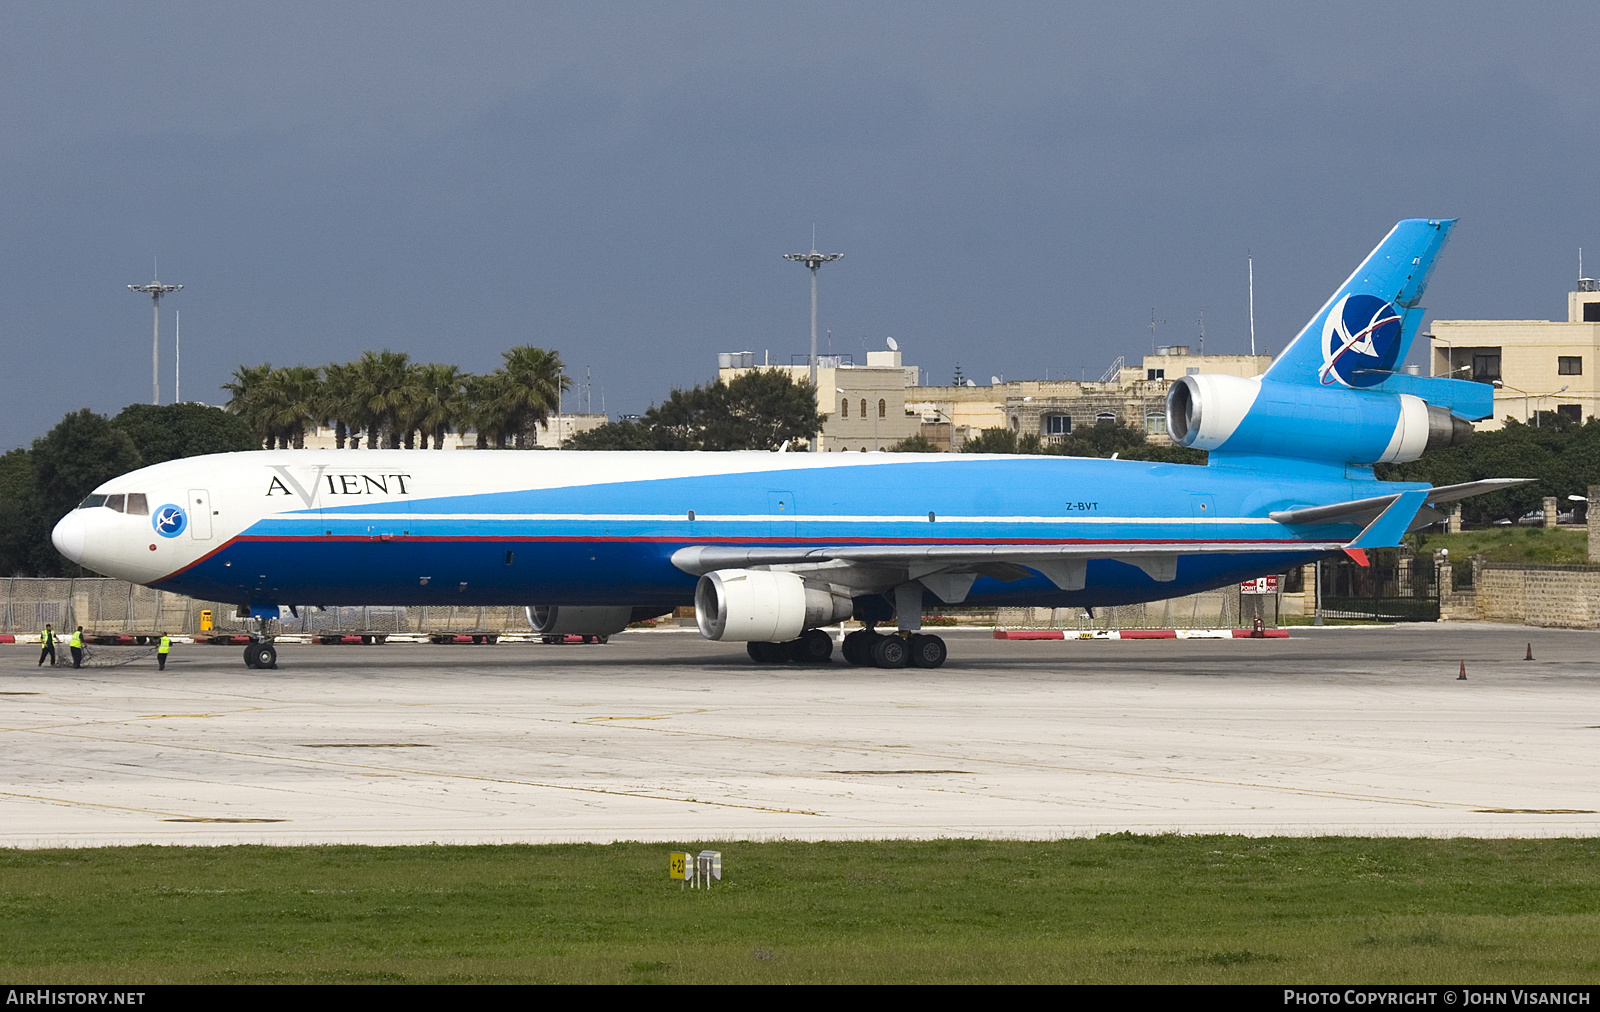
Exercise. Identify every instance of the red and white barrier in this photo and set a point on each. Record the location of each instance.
(1140, 634)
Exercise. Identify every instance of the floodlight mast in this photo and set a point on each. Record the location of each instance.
(155, 290)
(813, 260)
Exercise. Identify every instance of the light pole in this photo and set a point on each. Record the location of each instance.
(155, 290)
(813, 260)
(1528, 399)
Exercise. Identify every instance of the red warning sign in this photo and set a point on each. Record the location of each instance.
(1260, 585)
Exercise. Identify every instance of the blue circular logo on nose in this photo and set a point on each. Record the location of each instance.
(170, 520)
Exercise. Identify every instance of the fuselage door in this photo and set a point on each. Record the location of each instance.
(780, 506)
(201, 510)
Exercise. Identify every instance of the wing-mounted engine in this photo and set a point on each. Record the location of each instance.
(763, 606)
(565, 620)
(1260, 417)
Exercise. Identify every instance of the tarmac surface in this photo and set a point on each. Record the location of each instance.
(663, 736)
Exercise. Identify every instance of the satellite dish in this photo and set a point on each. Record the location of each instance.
(971, 383)
(892, 345)
(994, 381)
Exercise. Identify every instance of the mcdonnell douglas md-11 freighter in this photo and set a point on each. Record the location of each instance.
(772, 547)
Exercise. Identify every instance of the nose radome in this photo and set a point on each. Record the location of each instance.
(68, 536)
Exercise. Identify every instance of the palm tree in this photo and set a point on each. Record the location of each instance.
(290, 399)
(380, 390)
(246, 391)
(444, 401)
(488, 409)
(533, 384)
(338, 407)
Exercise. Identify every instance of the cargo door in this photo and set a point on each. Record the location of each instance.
(780, 507)
(201, 510)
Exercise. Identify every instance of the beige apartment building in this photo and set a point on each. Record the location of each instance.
(874, 406)
(1050, 409)
(1535, 365)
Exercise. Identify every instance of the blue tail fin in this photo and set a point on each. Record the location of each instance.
(1365, 330)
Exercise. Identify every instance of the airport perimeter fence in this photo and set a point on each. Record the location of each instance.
(1224, 608)
(106, 606)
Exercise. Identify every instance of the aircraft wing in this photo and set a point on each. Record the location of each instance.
(949, 570)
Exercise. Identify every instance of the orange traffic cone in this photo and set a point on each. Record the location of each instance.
(1530, 653)
(1463, 676)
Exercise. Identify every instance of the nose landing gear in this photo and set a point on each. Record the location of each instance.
(261, 653)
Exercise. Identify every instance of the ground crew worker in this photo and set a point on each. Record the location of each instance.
(47, 646)
(162, 651)
(75, 644)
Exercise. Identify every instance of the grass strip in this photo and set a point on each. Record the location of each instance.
(1118, 908)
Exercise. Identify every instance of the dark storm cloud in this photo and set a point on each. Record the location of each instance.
(1015, 187)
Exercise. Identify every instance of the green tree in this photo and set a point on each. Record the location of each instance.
(82, 451)
(24, 525)
(169, 431)
(915, 444)
(1562, 454)
(615, 436)
(530, 390)
(247, 398)
(759, 410)
(1000, 441)
(443, 405)
(383, 392)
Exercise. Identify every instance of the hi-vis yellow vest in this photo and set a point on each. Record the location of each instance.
(166, 645)
(76, 640)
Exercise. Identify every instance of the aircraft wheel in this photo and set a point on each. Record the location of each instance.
(767, 653)
(890, 652)
(857, 647)
(261, 655)
(601, 639)
(813, 647)
(927, 651)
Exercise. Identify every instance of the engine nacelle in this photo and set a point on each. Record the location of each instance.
(565, 620)
(1334, 423)
(767, 607)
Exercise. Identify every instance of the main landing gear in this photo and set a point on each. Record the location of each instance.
(862, 647)
(813, 647)
(919, 650)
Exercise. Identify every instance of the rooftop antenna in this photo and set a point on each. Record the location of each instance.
(1202, 333)
(1251, 264)
(813, 260)
(155, 290)
(1153, 322)
(588, 392)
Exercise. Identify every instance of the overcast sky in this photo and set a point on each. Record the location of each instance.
(1015, 186)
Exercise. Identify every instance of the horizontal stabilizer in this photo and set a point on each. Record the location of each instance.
(1392, 524)
(1364, 511)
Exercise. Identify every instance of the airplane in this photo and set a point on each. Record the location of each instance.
(770, 548)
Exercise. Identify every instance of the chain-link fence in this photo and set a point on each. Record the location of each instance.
(105, 606)
(1224, 608)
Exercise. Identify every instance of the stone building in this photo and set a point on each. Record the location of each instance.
(1535, 365)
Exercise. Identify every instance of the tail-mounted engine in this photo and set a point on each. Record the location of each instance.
(1332, 423)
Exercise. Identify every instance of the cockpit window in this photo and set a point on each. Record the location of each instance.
(91, 501)
(114, 502)
(137, 504)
